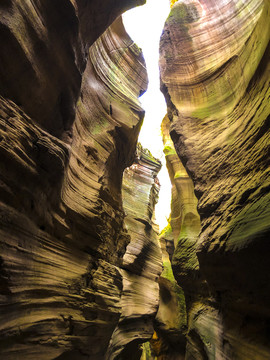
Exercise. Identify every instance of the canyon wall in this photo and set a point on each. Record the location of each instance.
(215, 73)
(69, 122)
(44, 54)
(80, 261)
(142, 264)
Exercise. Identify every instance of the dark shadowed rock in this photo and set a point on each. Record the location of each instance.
(62, 230)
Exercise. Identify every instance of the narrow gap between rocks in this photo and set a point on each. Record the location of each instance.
(144, 24)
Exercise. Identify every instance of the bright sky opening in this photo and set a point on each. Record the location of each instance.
(144, 24)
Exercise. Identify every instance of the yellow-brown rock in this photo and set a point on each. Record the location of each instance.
(62, 232)
(184, 221)
(169, 339)
(44, 50)
(215, 77)
(142, 263)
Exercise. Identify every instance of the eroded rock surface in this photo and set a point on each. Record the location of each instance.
(215, 77)
(142, 263)
(169, 339)
(62, 228)
(185, 221)
(44, 54)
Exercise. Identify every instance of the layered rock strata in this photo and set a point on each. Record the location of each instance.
(62, 228)
(142, 263)
(215, 77)
(44, 54)
(169, 339)
(185, 221)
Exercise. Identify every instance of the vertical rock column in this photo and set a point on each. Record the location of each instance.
(184, 221)
(142, 262)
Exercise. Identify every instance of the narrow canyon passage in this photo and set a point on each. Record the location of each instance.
(85, 273)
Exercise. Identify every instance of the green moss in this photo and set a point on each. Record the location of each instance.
(167, 272)
(201, 113)
(167, 230)
(146, 351)
(99, 126)
(185, 254)
(183, 14)
(146, 154)
(178, 174)
(180, 296)
(168, 56)
(144, 150)
(180, 314)
(168, 150)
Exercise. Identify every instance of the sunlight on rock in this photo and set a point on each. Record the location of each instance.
(145, 24)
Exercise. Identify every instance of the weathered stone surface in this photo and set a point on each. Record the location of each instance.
(215, 77)
(62, 221)
(169, 341)
(142, 261)
(44, 49)
(184, 221)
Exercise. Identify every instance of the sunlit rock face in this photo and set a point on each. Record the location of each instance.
(215, 77)
(184, 221)
(63, 282)
(142, 262)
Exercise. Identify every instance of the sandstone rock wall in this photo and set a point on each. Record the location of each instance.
(185, 221)
(44, 50)
(69, 125)
(169, 339)
(142, 263)
(215, 77)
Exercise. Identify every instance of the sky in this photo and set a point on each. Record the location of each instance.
(144, 25)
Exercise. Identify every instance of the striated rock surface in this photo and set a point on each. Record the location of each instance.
(44, 54)
(142, 263)
(215, 77)
(168, 341)
(184, 221)
(63, 281)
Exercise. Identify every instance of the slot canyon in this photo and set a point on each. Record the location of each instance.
(85, 270)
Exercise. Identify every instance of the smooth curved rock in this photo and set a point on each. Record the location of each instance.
(184, 220)
(215, 77)
(44, 50)
(62, 221)
(142, 263)
(169, 339)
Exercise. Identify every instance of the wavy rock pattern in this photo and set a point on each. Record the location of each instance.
(215, 77)
(185, 221)
(169, 341)
(142, 263)
(44, 54)
(62, 229)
